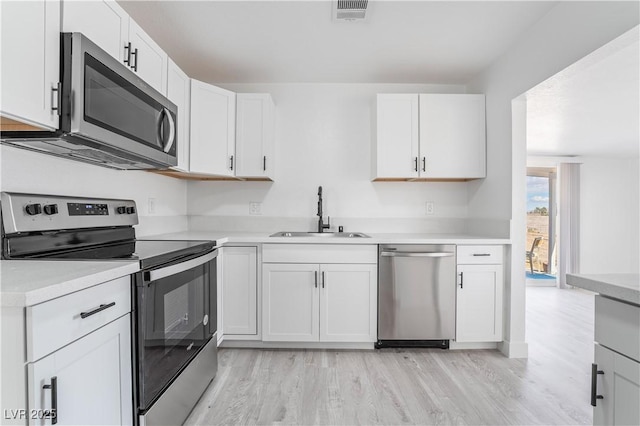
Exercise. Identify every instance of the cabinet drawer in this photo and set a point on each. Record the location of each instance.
(319, 253)
(617, 325)
(478, 255)
(53, 324)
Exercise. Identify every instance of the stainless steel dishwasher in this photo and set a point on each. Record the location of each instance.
(416, 295)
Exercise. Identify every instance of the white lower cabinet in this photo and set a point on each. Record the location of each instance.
(91, 377)
(319, 302)
(479, 294)
(291, 312)
(615, 394)
(619, 385)
(239, 291)
(348, 303)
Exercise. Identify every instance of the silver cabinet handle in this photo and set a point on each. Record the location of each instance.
(481, 254)
(316, 274)
(58, 105)
(416, 254)
(322, 279)
(415, 164)
(181, 267)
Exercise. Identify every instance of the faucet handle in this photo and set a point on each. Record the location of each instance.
(328, 224)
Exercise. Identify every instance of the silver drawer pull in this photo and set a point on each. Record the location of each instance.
(416, 254)
(100, 308)
(481, 254)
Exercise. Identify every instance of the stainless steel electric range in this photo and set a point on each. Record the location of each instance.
(174, 294)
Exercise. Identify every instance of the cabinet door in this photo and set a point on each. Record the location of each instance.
(104, 22)
(348, 303)
(619, 387)
(452, 136)
(30, 61)
(396, 143)
(240, 284)
(479, 303)
(179, 92)
(290, 302)
(213, 112)
(149, 61)
(254, 135)
(93, 378)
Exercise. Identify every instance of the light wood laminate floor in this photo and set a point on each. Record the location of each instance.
(417, 386)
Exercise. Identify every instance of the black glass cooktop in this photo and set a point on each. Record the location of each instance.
(148, 252)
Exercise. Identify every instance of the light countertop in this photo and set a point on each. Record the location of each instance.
(29, 282)
(376, 238)
(624, 287)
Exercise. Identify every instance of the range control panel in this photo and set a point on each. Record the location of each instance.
(88, 209)
(32, 212)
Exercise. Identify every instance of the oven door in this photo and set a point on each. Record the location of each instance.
(176, 317)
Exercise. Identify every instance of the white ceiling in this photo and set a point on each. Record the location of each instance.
(298, 41)
(592, 108)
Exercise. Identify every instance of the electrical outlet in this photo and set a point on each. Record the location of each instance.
(151, 205)
(429, 208)
(255, 208)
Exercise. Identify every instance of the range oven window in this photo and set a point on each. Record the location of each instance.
(173, 324)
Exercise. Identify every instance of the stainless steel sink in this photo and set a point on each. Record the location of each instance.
(321, 234)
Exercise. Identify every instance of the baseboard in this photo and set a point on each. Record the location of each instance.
(514, 349)
(295, 345)
(472, 345)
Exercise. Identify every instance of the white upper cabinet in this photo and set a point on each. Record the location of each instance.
(106, 24)
(255, 120)
(179, 92)
(148, 60)
(429, 136)
(30, 62)
(452, 136)
(102, 21)
(395, 150)
(213, 117)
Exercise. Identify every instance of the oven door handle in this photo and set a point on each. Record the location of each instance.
(416, 254)
(157, 274)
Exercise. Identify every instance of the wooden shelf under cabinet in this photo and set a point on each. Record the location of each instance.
(199, 176)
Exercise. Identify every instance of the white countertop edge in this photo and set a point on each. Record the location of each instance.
(38, 295)
(222, 238)
(624, 287)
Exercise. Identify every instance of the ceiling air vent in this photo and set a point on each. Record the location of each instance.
(350, 10)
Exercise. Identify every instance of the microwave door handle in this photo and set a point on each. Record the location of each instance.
(172, 130)
(157, 274)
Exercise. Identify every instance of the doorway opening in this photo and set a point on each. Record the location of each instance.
(541, 255)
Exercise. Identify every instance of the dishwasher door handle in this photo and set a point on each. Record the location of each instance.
(416, 254)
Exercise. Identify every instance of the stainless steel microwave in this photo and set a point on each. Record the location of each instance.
(108, 115)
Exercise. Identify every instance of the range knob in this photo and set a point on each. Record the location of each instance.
(131, 210)
(121, 210)
(51, 209)
(33, 209)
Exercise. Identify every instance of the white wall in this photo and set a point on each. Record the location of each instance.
(31, 172)
(570, 31)
(323, 137)
(609, 215)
